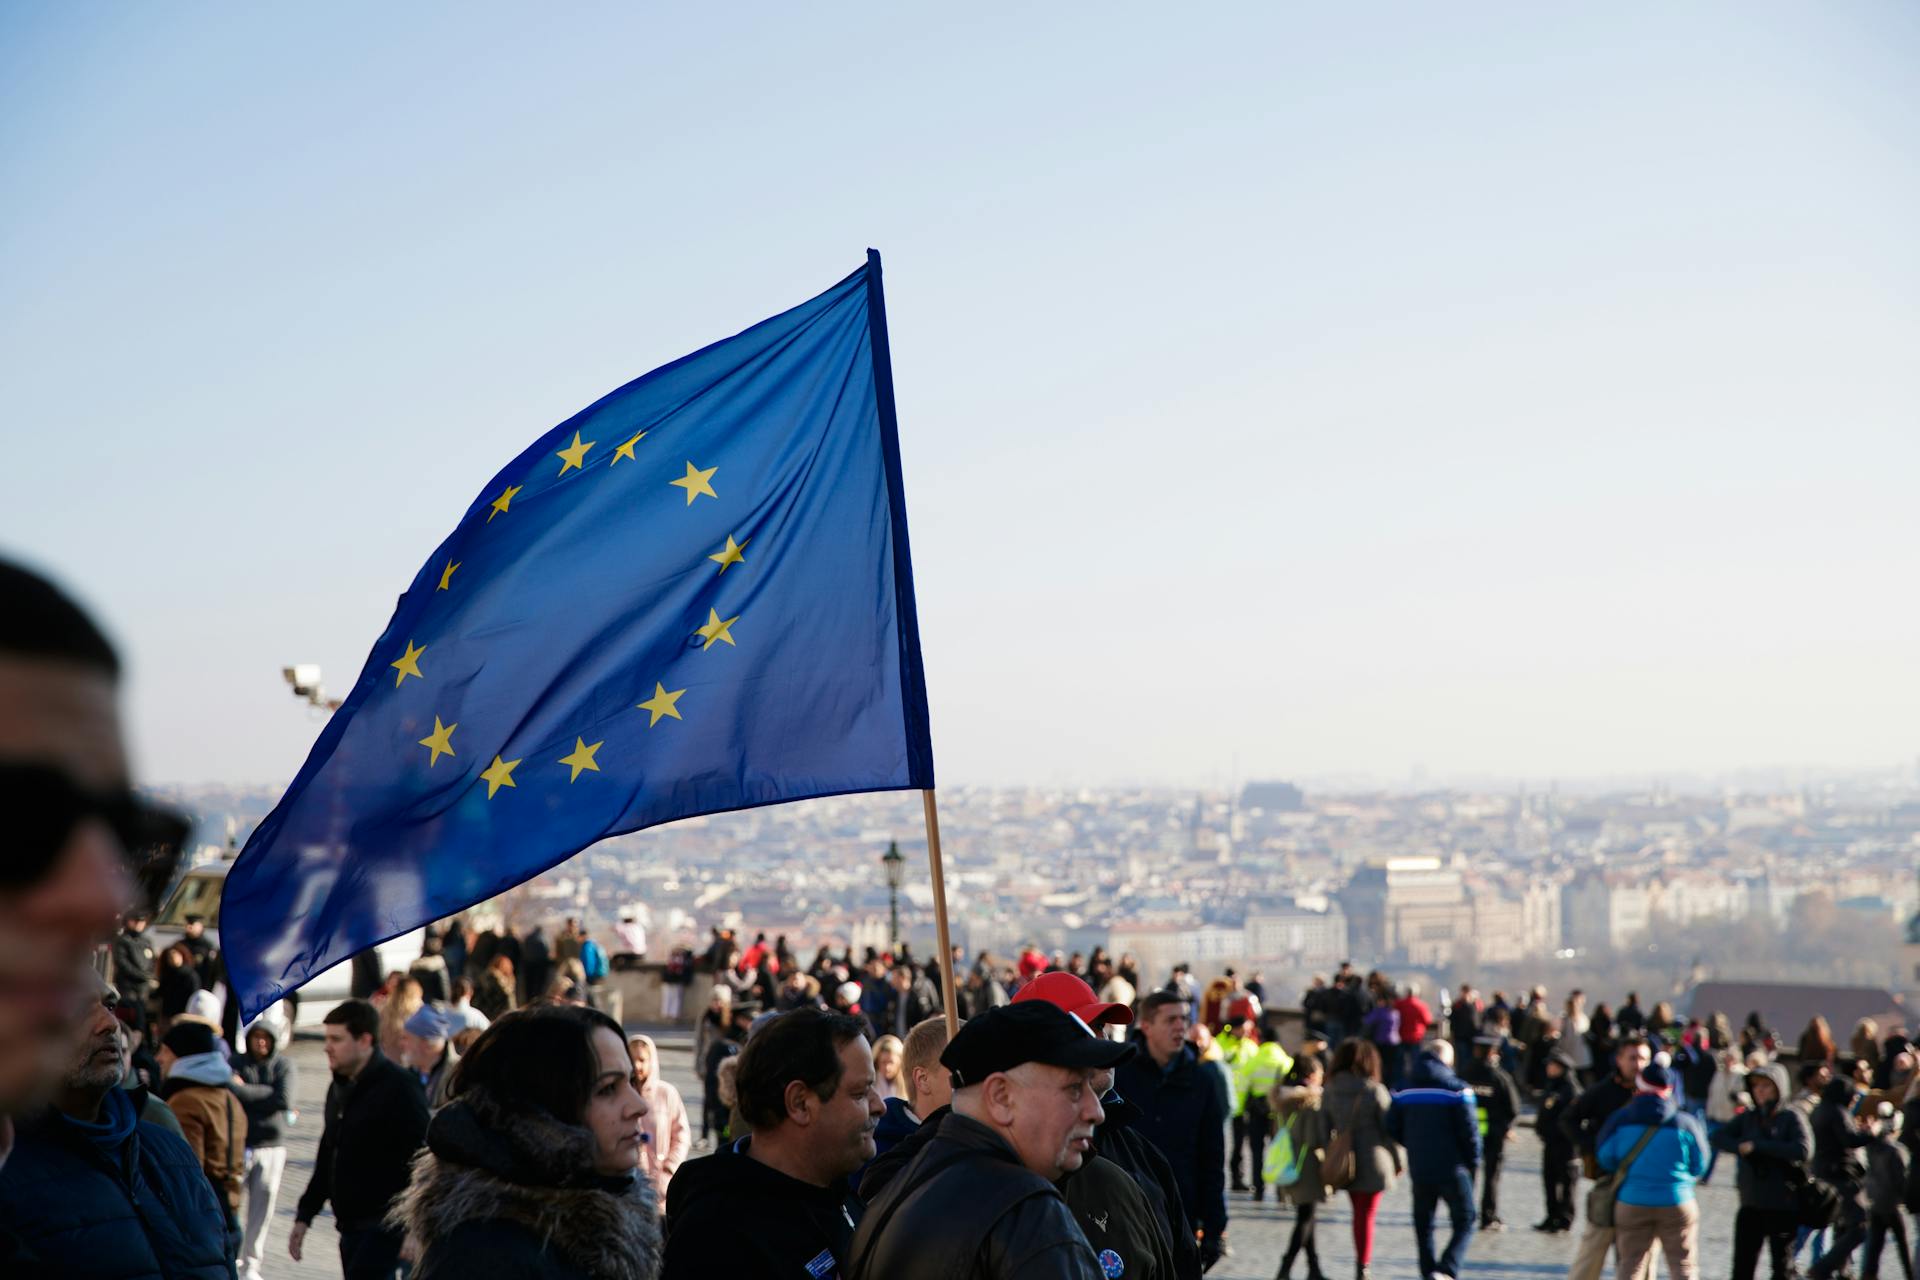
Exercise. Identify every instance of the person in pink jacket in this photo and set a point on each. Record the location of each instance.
(669, 1137)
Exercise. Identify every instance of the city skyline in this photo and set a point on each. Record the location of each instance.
(1306, 395)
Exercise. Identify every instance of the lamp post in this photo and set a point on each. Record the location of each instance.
(896, 865)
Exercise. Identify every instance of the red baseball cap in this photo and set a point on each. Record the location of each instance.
(1076, 997)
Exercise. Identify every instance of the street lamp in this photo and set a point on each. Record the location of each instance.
(896, 865)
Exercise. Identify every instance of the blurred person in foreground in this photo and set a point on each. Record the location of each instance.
(79, 842)
(927, 1087)
(532, 1168)
(980, 1199)
(1436, 1121)
(774, 1202)
(1582, 1123)
(92, 1190)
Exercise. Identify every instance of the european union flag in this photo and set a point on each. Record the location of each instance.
(692, 596)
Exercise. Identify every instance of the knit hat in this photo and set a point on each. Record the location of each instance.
(429, 1022)
(1656, 1078)
(187, 1038)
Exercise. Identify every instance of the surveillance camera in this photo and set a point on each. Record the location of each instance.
(304, 677)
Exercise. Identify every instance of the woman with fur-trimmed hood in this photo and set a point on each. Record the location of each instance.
(530, 1170)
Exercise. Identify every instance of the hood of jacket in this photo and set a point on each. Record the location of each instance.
(486, 1163)
(201, 1068)
(1778, 1074)
(1646, 1109)
(118, 1116)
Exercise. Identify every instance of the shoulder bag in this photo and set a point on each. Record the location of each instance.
(1601, 1195)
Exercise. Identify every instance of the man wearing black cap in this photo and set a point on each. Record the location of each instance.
(1499, 1105)
(1024, 1111)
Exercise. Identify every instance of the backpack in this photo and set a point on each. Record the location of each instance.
(593, 961)
(1285, 1160)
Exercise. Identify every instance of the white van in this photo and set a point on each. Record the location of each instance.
(198, 894)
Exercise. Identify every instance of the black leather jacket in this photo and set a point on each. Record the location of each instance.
(965, 1195)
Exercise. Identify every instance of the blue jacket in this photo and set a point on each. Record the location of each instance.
(118, 1200)
(1437, 1122)
(1665, 1172)
(1183, 1113)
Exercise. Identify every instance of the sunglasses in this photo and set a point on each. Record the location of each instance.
(43, 806)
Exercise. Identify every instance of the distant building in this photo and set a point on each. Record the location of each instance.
(1274, 797)
(1296, 937)
(1604, 912)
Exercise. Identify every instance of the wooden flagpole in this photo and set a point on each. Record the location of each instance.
(940, 914)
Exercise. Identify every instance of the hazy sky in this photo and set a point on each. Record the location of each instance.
(1496, 388)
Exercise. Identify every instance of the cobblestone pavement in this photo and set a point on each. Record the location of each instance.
(1257, 1233)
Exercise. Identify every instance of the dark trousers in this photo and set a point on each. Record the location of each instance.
(1849, 1232)
(1878, 1226)
(1259, 1124)
(1490, 1162)
(1237, 1161)
(1558, 1173)
(1301, 1241)
(1774, 1228)
(1458, 1195)
(371, 1253)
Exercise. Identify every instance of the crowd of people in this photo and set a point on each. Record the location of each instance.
(486, 1117)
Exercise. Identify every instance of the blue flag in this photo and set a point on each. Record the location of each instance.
(692, 596)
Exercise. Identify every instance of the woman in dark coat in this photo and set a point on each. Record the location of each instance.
(530, 1169)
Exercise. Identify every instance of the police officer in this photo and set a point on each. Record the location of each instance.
(1499, 1105)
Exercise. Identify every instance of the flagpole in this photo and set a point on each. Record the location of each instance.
(940, 914)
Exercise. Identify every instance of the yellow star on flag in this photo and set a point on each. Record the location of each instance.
(661, 703)
(446, 574)
(499, 774)
(582, 757)
(717, 629)
(626, 450)
(500, 503)
(440, 741)
(575, 454)
(695, 482)
(408, 664)
(731, 554)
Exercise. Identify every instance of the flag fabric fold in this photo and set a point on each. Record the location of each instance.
(694, 595)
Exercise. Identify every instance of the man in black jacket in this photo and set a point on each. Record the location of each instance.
(376, 1119)
(264, 1086)
(982, 1192)
(1582, 1124)
(1837, 1161)
(774, 1205)
(1181, 1113)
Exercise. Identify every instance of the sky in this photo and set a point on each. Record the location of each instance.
(1296, 391)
